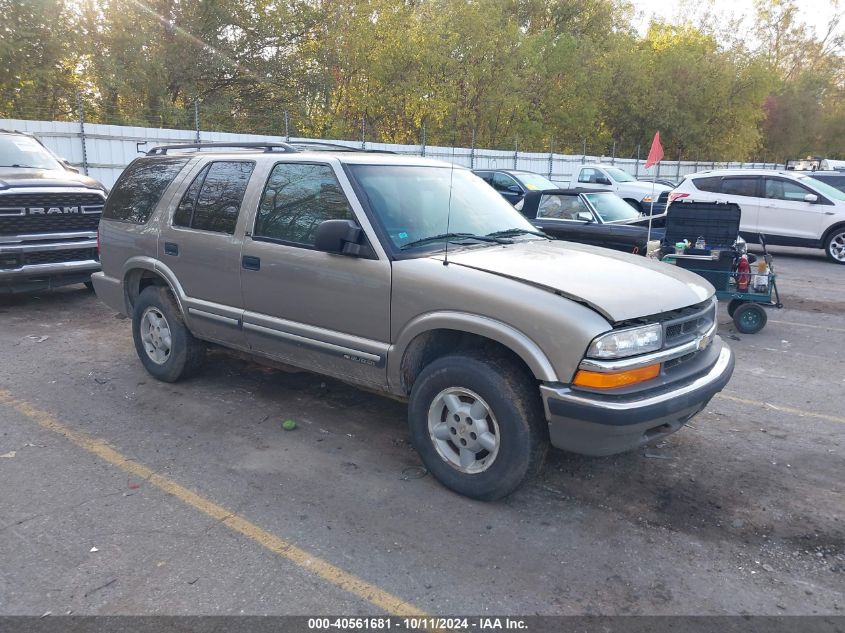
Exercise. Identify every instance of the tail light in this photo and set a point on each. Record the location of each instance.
(677, 196)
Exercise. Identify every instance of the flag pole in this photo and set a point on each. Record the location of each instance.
(651, 209)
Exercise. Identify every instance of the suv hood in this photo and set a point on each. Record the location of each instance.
(21, 177)
(618, 285)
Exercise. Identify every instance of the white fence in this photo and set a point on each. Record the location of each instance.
(103, 151)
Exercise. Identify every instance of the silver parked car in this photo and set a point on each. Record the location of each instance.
(415, 278)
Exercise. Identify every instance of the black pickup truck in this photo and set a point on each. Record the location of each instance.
(49, 214)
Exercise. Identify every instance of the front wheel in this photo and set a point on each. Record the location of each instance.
(834, 247)
(749, 318)
(478, 424)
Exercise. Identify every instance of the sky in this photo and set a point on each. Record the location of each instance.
(815, 13)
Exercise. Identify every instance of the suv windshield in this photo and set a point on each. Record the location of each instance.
(611, 208)
(823, 187)
(620, 175)
(536, 182)
(412, 203)
(23, 151)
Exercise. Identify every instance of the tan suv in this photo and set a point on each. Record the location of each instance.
(415, 278)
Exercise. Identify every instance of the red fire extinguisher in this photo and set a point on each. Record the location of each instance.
(743, 274)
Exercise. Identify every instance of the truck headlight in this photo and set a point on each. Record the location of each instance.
(647, 199)
(628, 342)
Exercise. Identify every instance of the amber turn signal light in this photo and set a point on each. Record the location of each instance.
(601, 380)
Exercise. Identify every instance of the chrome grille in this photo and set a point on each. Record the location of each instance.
(686, 327)
(16, 217)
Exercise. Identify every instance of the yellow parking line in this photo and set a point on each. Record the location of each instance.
(780, 407)
(325, 570)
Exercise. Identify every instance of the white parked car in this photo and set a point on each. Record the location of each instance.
(609, 178)
(789, 208)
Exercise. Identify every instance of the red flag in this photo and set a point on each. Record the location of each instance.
(655, 154)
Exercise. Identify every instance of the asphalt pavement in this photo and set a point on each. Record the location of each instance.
(123, 495)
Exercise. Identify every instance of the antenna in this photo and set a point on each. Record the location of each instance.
(449, 206)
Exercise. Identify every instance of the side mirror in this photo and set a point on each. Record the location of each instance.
(602, 180)
(341, 237)
(514, 189)
(811, 198)
(584, 216)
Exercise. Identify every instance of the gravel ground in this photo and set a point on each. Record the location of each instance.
(740, 513)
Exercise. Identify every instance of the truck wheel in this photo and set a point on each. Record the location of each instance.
(89, 285)
(478, 424)
(749, 318)
(164, 344)
(834, 246)
(733, 305)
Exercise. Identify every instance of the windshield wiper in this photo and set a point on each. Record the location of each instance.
(515, 231)
(455, 237)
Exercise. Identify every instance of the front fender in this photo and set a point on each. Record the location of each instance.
(495, 330)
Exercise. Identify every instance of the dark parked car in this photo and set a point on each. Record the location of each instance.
(513, 184)
(834, 178)
(593, 217)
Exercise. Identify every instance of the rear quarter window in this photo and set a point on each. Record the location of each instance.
(139, 188)
(710, 184)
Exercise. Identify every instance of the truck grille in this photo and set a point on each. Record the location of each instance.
(663, 198)
(685, 325)
(17, 217)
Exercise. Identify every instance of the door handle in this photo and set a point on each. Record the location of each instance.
(171, 248)
(251, 263)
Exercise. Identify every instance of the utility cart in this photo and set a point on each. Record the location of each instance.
(703, 237)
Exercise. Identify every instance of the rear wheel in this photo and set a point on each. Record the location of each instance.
(834, 246)
(163, 342)
(749, 318)
(478, 424)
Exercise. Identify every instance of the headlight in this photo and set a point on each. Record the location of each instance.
(647, 199)
(629, 342)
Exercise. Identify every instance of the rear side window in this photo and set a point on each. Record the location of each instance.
(740, 186)
(213, 200)
(139, 188)
(297, 198)
(707, 184)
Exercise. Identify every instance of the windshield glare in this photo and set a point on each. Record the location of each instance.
(536, 182)
(412, 202)
(823, 187)
(612, 208)
(619, 175)
(23, 151)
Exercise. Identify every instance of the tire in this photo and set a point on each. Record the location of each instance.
(733, 305)
(514, 444)
(89, 285)
(834, 245)
(749, 318)
(156, 308)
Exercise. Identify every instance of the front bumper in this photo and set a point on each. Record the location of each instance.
(593, 424)
(46, 260)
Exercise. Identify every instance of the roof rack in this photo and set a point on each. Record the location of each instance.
(161, 150)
